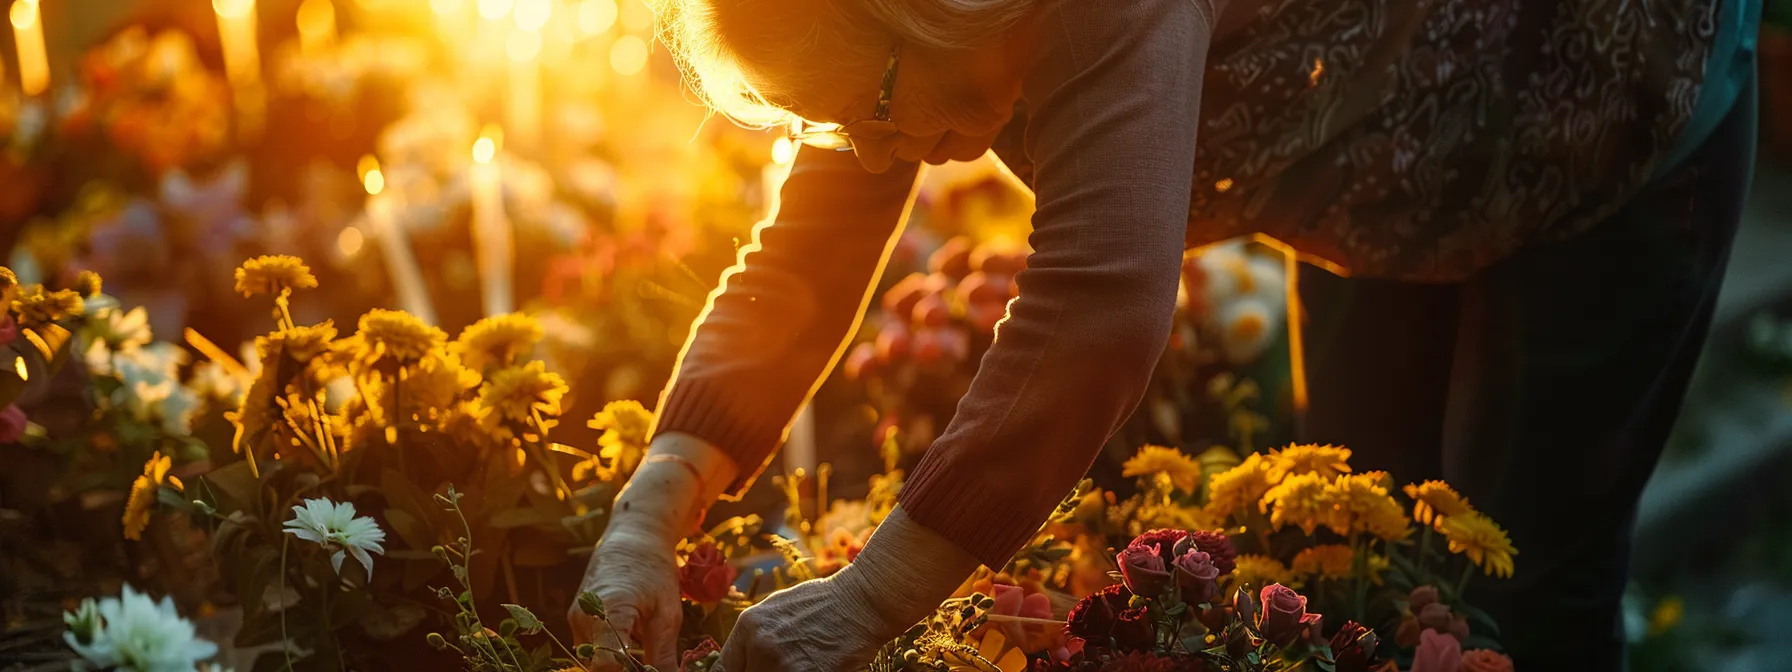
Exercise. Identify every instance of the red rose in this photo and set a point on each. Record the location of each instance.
(1218, 548)
(1162, 541)
(1437, 652)
(1353, 648)
(1285, 618)
(1143, 571)
(706, 575)
(1482, 660)
(1133, 630)
(12, 424)
(1198, 577)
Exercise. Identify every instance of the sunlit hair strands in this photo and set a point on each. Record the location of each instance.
(791, 44)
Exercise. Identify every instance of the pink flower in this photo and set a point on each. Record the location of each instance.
(12, 424)
(9, 330)
(1018, 601)
(1437, 652)
(1482, 660)
(1198, 577)
(1285, 619)
(1143, 571)
(706, 575)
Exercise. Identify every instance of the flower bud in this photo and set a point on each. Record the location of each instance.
(590, 604)
(436, 641)
(585, 651)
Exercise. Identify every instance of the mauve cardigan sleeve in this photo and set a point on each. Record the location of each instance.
(782, 314)
(1113, 103)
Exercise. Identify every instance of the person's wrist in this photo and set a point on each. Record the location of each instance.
(902, 575)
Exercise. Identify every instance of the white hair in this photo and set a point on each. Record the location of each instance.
(716, 42)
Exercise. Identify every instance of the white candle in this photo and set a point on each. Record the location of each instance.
(395, 243)
(523, 105)
(492, 237)
(28, 35)
(236, 34)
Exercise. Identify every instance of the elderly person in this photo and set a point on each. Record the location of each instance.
(1534, 201)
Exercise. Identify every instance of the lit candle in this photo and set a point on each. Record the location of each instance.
(317, 26)
(28, 34)
(236, 33)
(492, 243)
(523, 104)
(395, 243)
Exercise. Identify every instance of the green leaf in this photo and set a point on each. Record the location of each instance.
(525, 619)
(234, 488)
(1481, 620)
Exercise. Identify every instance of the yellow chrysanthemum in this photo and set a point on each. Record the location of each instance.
(1240, 488)
(1331, 561)
(87, 284)
(398, 335)
(1378, 565)
(1360, 503)
(143, 494)
(1479, 538)
(497, 341)
(1184, 471)
(36, 307)
(273, 274)
(302, 343)
(1327, 461)
(517, 393)
(1257, 571)
(1299, 500)
(625, 425)
(8, 279)
(434, 386)
(1433, 500)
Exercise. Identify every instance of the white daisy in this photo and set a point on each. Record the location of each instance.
(133, 632)
(336, 527)
(1246, 327)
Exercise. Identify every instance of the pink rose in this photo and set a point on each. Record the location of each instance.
(9, 330)
(1198, 577)
(1437, 652)
(706, 575)
(12, 424)
(1143, 571)
(1285, 619)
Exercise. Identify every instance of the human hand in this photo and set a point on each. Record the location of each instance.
(634, 570)
(838, 623)
(635, 573)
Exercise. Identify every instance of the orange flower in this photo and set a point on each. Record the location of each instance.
(1482, 660)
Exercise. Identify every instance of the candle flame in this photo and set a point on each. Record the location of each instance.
(24, 14)
(492, 10)
(597, 16)
(233, 9)
(629, 55)
(531, 15)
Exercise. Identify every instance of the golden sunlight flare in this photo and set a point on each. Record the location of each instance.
(371, 178)
(783, 151)
(28, 35)
(531, 15)
(316, 20)
(597, 16)
(629, 55)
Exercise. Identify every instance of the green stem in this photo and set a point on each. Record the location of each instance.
(1468, 572)
(1419, 553)
(285, 640)
(397, 425)
(547, 463)
(569, 654)
(1359, 560)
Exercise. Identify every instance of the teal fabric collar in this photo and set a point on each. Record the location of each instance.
(1728, 68)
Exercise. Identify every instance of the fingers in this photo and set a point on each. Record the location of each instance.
(660, 634)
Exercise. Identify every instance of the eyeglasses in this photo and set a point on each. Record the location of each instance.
(840, 138)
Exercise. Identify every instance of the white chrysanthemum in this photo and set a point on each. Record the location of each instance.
(1246, 327)
(120, 329)
(1268, 281)
(336, 527)
(134, 632)
(213, 383)
(177, 411)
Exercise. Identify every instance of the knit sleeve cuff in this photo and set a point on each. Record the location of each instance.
(961, 505)
(747, 432)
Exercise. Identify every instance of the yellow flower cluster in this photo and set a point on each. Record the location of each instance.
(625, 425)
(1331, 561)
(397, 335)
(513, 396)
(273, 274)
(36, 306)
(1257, 571)
(143, 494)
(1326, 461)
(301, 343)
(1239, 491)
(1485, 544)
(497, 341)
(1184, 471)
(1435, 500)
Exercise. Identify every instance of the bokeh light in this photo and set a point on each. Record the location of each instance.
(783, 151)
(24, 14)
(597, 16)
(636, 16)
(350, 240)
(629, 55)
(492, 10)
(523, 45)
(531, 15)
(226, 8)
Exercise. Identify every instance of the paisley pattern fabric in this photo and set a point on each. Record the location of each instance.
(1424, 140)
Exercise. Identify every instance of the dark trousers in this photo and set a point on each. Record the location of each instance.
(1543, 388)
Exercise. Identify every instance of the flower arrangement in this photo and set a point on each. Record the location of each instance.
(341, 444)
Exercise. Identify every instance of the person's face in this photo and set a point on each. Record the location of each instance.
(946, 105)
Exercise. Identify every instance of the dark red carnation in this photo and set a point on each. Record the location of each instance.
(1094, 617)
